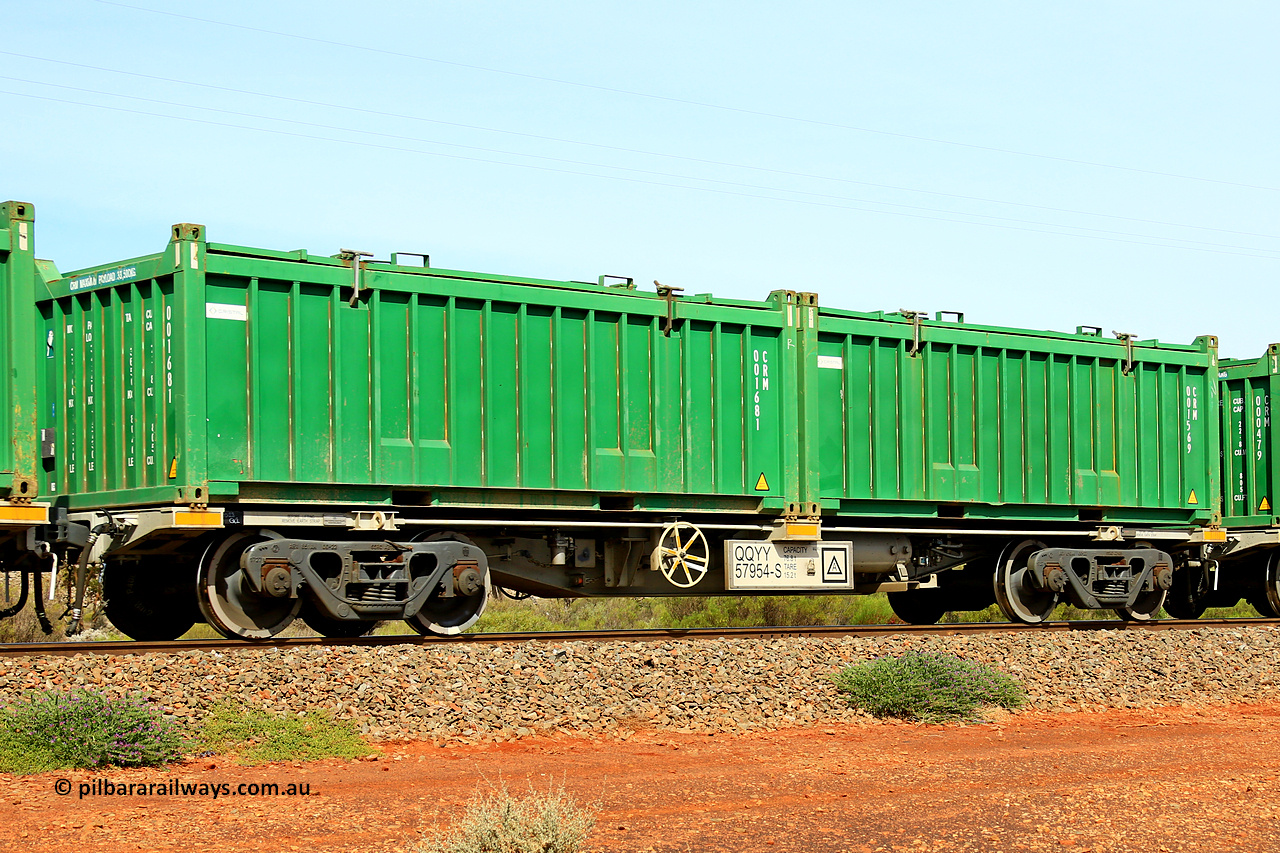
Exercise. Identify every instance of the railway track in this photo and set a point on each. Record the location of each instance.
(135, 647)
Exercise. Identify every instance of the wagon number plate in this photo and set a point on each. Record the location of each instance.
(757, 564)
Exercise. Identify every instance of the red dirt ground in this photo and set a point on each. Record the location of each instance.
(1164, 780)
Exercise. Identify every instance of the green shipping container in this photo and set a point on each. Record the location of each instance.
(1250, 447)
(216, 373)
(925, 417)
(211, 373)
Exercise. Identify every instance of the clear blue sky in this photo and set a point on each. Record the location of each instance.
(1030, 164)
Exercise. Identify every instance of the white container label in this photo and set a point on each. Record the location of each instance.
(764, 564)
(222, 311)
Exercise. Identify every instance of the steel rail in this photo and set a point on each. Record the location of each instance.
(137, 647)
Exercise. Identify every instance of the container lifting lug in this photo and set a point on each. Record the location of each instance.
(915, 317)
(354, 256)
(1127, 338)
(670, 294)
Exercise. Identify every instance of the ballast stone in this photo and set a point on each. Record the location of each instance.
(456, 692)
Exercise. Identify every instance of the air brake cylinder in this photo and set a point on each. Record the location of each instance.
(881, 553)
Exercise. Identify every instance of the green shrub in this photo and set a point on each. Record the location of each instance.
(256, 736)
(496, 822)
(48, 731)
(927, 687)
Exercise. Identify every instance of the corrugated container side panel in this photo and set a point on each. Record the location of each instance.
(1249, 442)
(501, 402)
(1169, 415)
(110, 395)
(1060, 418)
(485, 393)
(422, 366)
(1263, 458)
(1238, 476)
(989, 452)
(1126, 439)
(969, 423)
(534, 408)
(312, 338)
(764, 395)
(1258, 428)
(228, 360)
(880, 386)
(670, 460)
(1010, 413)
(354, 396)
(641, 387)
(697, 379)
(605, 403)
(110, 387)
(270, 334)
(393, 447)
(729, 417)
(569, 372)
(1149, 463)
(1034, 427)
(833, 421)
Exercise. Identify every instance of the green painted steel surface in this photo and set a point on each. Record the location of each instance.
(1250, 446)
(211, 370)
(19, 446)
(977, 421)
(223, 373)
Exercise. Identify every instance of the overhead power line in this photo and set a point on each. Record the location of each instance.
(685, 101)
(618, 148)
(1068, 230)
(647, 172)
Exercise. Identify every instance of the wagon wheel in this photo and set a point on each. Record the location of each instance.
(229, 603)
(918, 606)
(1270, 596)
(1016, 591)
(443, 616)
(149, 599)
(682, 554)
(1147, 604)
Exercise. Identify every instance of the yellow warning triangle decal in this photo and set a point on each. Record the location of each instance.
(762, 485)
(1192, 499)
(173, 469)
(1264, 506)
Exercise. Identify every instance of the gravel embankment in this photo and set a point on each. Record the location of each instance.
(498, 692)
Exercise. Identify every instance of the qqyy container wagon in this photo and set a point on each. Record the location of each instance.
(251, 436)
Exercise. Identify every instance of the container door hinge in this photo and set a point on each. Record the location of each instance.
(916, 318)
(356, 265)
(670, 294)
(1127, 339)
